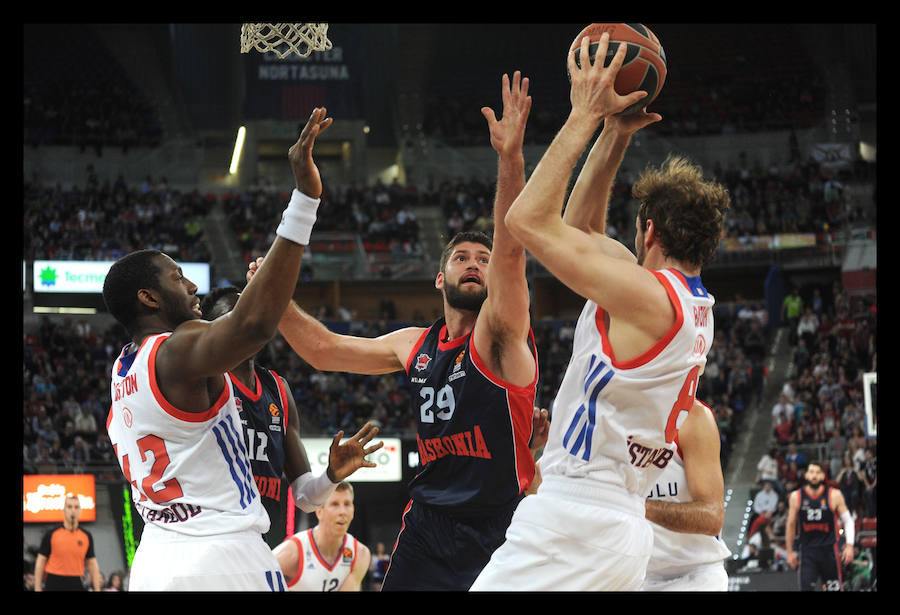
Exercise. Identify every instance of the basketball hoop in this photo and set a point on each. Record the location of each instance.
(285, 38)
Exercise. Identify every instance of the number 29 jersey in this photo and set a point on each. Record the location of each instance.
(189, 472)
(615, 421)
(473, 428)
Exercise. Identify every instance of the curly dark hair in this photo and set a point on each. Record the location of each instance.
(124, 279)
(688, 212)
(473, 236)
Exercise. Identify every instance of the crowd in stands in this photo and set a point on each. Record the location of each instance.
(800, 197)
(819, 416)
(66, 371)
(380, 214)
(104, 219)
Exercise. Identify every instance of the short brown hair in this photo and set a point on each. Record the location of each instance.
(473, 236)
(688, 212)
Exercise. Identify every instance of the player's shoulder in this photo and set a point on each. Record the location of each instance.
(362, 551)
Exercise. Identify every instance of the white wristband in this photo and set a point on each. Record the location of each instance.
(849, 528)
(310, 492)
(298, 218)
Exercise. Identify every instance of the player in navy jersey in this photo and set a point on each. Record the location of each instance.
(271, 425)
(812, 523)
(474, 377)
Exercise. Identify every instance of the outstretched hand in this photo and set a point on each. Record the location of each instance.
(508, 134)
(345, 459)
(306, 174)
(253, 267)
(629, 124)
(592, 92)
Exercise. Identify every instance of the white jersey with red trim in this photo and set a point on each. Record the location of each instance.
(314, 573)
(614, 421)
(189, 472)
(675, 552)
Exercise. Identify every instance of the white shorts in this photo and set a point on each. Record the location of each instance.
(709, 578)
(167, 561)
(572, 536)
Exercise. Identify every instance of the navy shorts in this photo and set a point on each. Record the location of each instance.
(438, 552)
(820, 567)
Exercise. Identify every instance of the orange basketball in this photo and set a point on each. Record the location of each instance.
(644, 67)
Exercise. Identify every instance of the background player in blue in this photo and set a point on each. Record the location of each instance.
(272, 432)
(813, 513)
(474, 376)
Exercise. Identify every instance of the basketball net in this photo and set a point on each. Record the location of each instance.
(285, 38)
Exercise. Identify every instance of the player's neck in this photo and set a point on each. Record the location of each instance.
(328, 543)
(815, 491)
(70, 525)
(245, 373)
(459, 322)
(657, 261)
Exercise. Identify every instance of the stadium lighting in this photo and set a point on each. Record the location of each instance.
(238, 148)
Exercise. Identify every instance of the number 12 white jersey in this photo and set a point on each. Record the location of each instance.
(614, 421)
(314, 573)
(189, 472)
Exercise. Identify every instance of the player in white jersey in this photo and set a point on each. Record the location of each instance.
(686, 506)
(326, 557)
(640, 344)
(173, 421)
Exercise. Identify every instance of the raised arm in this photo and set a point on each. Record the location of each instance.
(699, 441)
(328, 351)
(202, 349)
(501, 331)
(625, 290)
(588, 202)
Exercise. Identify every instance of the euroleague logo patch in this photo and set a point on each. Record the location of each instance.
(422, 361)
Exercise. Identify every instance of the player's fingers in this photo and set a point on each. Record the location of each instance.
(630, 99)
(373, 448)
(600, 56)
(618, 58)
(524, 89)
(362, 431)
(585, 53)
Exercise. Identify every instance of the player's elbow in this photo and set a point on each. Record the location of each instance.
(523, 226)
(513, 221)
